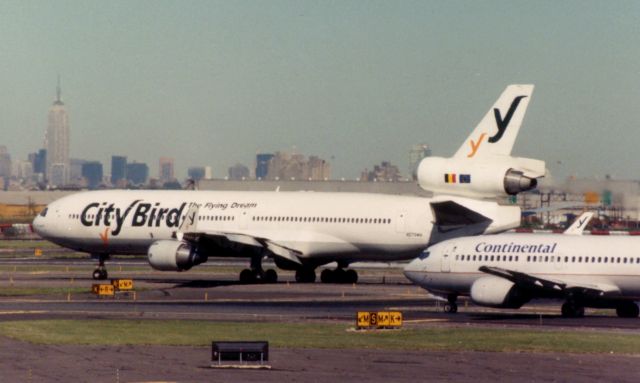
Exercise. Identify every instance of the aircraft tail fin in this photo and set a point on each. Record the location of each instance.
(580, 223)
(497, 131)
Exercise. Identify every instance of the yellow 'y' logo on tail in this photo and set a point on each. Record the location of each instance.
(475, 146)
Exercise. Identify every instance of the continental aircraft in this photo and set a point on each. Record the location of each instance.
(303, 230)
(508, 270)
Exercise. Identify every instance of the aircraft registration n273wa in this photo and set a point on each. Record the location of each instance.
(303, 230)
(508, 270)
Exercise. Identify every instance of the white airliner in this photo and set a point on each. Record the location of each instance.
(508, 270)
(303, 230)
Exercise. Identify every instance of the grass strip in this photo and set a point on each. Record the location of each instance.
(25, 291)
(332, 336)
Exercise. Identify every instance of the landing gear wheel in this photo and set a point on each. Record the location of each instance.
(100, 274)
(270, 276)
(305, 275)
(326, 276)
(247, 276)
(572, 310)
(450, 308)
(351, 276)
(628, 310)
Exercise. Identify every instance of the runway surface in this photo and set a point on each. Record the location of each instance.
(61, 290)
(213, 293)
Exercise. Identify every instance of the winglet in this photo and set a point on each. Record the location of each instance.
(497, 131)
(578, 226)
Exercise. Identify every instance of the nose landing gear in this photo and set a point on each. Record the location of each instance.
(100, 273)
(451, 307)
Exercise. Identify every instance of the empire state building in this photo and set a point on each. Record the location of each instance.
(57, 142)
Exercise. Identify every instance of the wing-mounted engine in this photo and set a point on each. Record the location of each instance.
(482, 178)
(172, 255)
(497, 292)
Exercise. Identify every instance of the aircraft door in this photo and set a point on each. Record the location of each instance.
(243, 220)
(445, 261)
(401, 222)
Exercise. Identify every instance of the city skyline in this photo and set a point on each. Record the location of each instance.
(356, 83)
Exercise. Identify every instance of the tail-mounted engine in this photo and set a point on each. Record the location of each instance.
(489, 177)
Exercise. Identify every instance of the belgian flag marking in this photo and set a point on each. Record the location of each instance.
(452, 178)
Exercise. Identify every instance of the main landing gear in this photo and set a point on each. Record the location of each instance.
(256, 274)
(305, 275)
(451, 307)
(627, 309)
(339, 275)
(100, 273)
(572, 309)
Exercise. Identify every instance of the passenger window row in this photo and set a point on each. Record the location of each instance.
(216, 218)
(487, 258)
(546, 258)
(385, 221)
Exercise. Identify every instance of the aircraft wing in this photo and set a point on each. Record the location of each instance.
(457, 217)
(239, 245)
(548, 287)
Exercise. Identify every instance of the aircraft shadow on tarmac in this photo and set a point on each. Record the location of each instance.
(194, 283)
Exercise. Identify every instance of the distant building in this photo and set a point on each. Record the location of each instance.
(239, 172)
(385, 172)
(92, 173)
(58, 173)
(118, 170)
(262, 165)
(5, 162)
(137, 173)
(416, 154)
(22, 170)
(196, 173)
(317, 169)
(75, 171)
(57, 142)
(285, 166)
(208, 173)
(39, 161)
(166, 170)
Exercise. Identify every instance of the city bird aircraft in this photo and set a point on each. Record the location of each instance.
(303, 230)
(508, 270)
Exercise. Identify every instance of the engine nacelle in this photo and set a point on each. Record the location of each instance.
(488, 177)
(497, 292)
(171, 255)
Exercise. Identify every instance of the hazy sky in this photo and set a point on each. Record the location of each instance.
(214, 82)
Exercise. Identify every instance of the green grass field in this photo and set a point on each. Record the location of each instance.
(332, 336)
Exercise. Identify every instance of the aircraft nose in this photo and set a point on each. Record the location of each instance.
(39, 225)
(415, 270)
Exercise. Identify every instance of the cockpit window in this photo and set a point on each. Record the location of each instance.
(43, 213)
(424, 255)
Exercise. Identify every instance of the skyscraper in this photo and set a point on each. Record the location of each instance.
(166, 170)
(137, 173)
(118, 169)
(92, 173)
(57, 142)
(262, 165)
